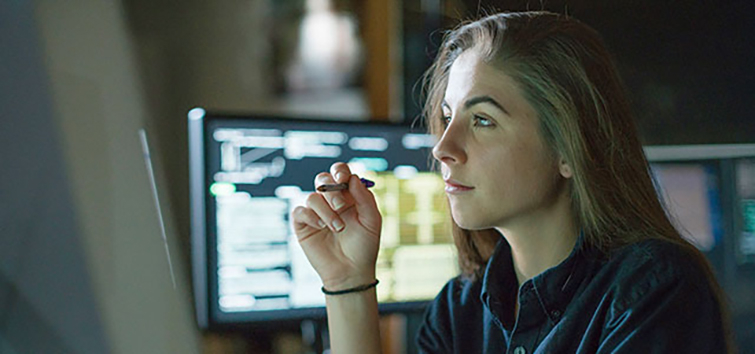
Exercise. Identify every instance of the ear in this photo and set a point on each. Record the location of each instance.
(564, 169)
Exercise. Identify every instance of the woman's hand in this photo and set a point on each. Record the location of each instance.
(340, 230)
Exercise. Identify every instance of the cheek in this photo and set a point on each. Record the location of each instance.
(500, 165)
(518, 170)
(502, 179)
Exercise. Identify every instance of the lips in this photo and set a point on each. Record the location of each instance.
(455, 183)
(454, 186)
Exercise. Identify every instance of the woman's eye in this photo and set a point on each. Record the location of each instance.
(482, 121)
(479, 121)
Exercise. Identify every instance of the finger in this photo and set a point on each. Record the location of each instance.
(364, 199)
(338, 200)
(305, 219)
(320, 206)
(341, 172)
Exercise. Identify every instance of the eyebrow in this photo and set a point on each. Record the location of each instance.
(480, 99)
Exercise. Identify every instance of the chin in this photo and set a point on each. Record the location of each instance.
(470, 223)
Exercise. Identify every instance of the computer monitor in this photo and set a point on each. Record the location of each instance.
(745, 203)
(691, 194)
(249, 172)
(709, 193)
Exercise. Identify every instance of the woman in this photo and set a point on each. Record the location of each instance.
(563, 244)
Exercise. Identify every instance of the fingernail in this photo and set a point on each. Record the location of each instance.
(338, 176)
(321, 224)
(338, 202)
(337, 225)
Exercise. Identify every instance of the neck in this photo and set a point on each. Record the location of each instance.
(541, 240)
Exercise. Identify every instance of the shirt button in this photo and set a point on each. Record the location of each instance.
(519, 350)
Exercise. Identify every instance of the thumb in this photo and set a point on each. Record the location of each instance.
(365, 201)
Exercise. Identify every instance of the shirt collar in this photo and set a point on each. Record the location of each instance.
(499, 284)
(554, 288)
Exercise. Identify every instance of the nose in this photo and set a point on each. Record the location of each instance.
(449, 149)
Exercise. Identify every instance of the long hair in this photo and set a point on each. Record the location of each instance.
(565, 72)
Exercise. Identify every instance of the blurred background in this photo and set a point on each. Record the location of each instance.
(82, 268)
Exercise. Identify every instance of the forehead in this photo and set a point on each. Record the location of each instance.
(470, 76)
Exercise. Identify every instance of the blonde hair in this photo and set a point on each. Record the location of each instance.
(565, 72)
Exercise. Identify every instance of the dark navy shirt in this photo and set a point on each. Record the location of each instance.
(648, 297)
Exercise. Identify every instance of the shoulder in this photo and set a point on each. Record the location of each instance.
(661, 296)
(458, 294)
(655, 265)
(657, 257)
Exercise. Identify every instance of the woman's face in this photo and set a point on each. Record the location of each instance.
(493, 146)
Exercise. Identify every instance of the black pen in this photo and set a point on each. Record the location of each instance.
(341, 186)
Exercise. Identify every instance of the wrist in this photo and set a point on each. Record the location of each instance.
(349, 282)
(356, 289)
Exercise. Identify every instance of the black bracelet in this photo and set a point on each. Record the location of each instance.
(352, 290)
